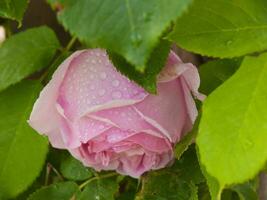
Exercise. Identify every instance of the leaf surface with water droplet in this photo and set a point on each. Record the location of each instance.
(223, 28)
(232, 132)
(100, 189)
(58, 191)
(129, 28)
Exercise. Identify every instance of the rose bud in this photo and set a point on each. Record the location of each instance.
(110, 123)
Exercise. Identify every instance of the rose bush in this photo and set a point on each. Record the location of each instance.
(110, 123)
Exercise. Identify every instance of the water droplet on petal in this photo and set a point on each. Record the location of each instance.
(92, 87)
(101, 92)
(116, 95)
(103, 75)
(115, 83)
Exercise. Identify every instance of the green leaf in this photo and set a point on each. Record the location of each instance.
(203, 192)
(245, 192)
(74, 170)
(56, 63)
(176, 182)
(165, 185)
(129, 28)
(57, 191)
(25, 53)
(147, 79)
(22, 150)
(232, 131)
(186, 141)
(128, 188)
(215, 189)
(13, 9)
(214, 73)
(223, 28)
(188, 167)
(229, 195)
(100, 189)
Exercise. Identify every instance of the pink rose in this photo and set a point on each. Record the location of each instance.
(109, 122)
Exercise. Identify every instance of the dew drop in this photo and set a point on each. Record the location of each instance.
(103, 75)
(248, 143)
(116, 95)
(146, 16)
(92, 76)
(136, 38)
(135, 91)
(85, 70)
(101, 92)
(115, 83)
(93, 61)
(92, 87)
(229, 42)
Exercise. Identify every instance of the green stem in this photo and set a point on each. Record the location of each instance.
(56, 172)
(97, 178)
(70, 44)
(48, 170)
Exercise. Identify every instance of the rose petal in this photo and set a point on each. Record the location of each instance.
(133, 165)
(93, 84)
(175, 68)
(45, 117)
(90, 128)
(166, 109)
(126, 118)
(151, 143)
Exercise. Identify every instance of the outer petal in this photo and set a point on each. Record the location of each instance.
(92, 84)
(166, 110)
(187, 77)
(175, 68)
(45, 117)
